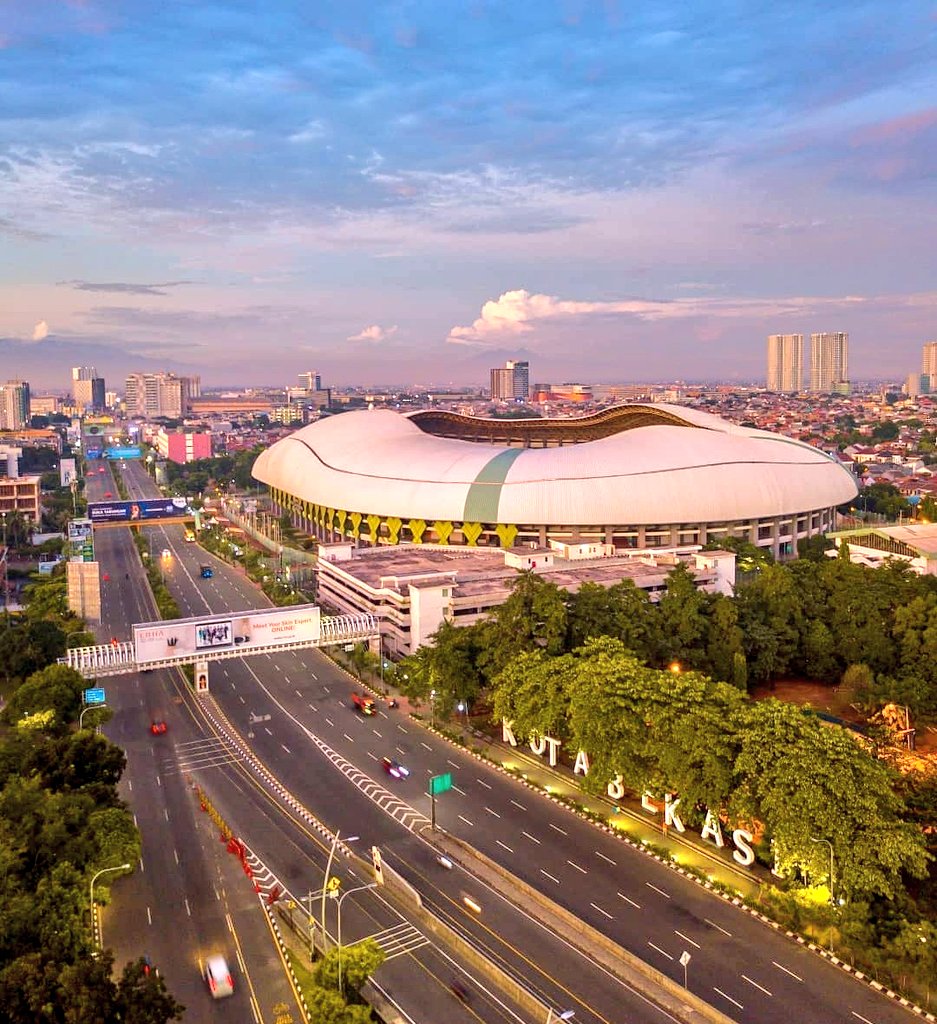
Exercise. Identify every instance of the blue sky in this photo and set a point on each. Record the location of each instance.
(412, 192)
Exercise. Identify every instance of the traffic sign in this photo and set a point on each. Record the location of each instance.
(440, 784)
(685, 958)
(94, 696)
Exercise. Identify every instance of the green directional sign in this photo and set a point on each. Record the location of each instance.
(440, 784)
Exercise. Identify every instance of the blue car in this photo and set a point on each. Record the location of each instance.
(207, 572)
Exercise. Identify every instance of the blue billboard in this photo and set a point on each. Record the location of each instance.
(130, 452)
(136, 511)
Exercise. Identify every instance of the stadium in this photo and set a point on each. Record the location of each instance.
(634, 477)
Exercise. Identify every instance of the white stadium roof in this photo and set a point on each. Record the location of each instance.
(688, 467)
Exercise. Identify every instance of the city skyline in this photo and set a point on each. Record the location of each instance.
(237, 191)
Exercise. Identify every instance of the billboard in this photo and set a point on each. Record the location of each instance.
(67, 472)
(243, 632)
(126, 452)
(136, 511)
(80, 540)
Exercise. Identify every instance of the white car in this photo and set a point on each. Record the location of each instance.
(220, 982)
(167, 553)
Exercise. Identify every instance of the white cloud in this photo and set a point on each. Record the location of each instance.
(373, 333)
(520, 312)
(40, 331)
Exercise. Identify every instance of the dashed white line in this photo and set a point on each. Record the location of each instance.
(400, 750)
(552, 878)
(347, 737)
(731, 1000)
(267, 731)
(557, 828)
(760, 988)
(286, 748)
(241, 697)
(493, 813)
(602, 855)
(372, 756)
(720, 928)
(686, 938)
(482, 782)
(327, 690)
(595, 906)
(313, 707)
(661, 891)
(175, 854)
(377, 734)
(504, 845)
(401, 728)
(637, 906)
(467, 822)
(663, 952)
(533, 839)
(422, 744)
(297, 692)
(577, 867)
(460, 791)
(188, 909)
(329, 720)
(780, 967)
(454, 765)
(859, 1015)
(520, 806)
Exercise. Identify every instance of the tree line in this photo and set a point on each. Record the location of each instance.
(61, 821)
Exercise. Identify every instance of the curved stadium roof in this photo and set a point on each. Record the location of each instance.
(637, 464)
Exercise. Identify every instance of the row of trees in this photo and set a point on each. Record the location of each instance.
(197, 477)
(61, 820)
(810, 619)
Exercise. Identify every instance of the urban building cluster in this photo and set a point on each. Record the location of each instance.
(829, 362)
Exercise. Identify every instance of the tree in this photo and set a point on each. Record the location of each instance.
(533, 692)
(328, 1007)
(533, 616)
(142, 996)
(680, 625)
(724, 640)
(358, 963)
(56, 688)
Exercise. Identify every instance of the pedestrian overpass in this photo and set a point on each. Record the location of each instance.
(207, 638)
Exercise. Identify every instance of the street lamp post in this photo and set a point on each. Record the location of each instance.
(832, 881)
(325, 883)
(358, 888)
(94, 878)
(84, 711)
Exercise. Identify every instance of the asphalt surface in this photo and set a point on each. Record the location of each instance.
(742, 967)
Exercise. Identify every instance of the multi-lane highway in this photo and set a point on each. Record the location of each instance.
(742, 967)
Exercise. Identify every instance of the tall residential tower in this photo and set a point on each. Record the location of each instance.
(829, 361)
(785, 362)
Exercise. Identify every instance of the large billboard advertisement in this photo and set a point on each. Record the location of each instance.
(243, 632)
(80, 540)
(124, 452)
(136, 511)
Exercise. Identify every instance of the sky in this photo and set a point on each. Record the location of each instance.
(413, 192)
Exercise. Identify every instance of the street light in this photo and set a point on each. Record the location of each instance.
(94, 878)
(832, 871)
(325, 884)
(90, 707)
(358, 888)
(565, 1015)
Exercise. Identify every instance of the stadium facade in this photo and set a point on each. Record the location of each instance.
(634, 477)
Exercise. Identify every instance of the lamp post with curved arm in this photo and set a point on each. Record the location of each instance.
(94, 878)
(358, 888)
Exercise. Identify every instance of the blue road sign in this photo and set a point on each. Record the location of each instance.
(94, 696)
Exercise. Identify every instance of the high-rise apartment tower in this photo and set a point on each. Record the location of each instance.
(511, 382)
(785, 362)
(14, 405)
(829, 361)
(160, 394)
(929, 360)
(87, 388)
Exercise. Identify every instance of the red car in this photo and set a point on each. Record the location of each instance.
(101, 469)
(107, 494)
(394, 768)
(158, 727)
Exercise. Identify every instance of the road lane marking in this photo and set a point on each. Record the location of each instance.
(149, 916)
(557, 828)
(755, 983)
(686, 938)
(158, 781)
(482, 782)
(267, 731)
(552, 878)
(520, 806)
(401, 728)
(297, 692)
(428, 747)
(661, 891)
(780, 967)
(314, 708)
(490, 811)
(731, 1000)
(286, 748)
(531, 838)
(506, 847)
(324, 687)
(175, 854)
(718, 927)
(372, 756)
(577, 867)
(460, 791)
(859, 1015)
(376, 733)
(329, 720)
(454, 765)
(400, 750)
(602, 855)
(188, 909)
(601, 911)
(637, 906)
(166, 813)
(347, 737)
(663, 952)
(471, 824)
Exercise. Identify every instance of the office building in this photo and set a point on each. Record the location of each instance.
(310, 381)
(14, 405)
(511, 382)
(183, 447)
(829, 362)
(160, 394)
(87, 389)
(785, 362)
